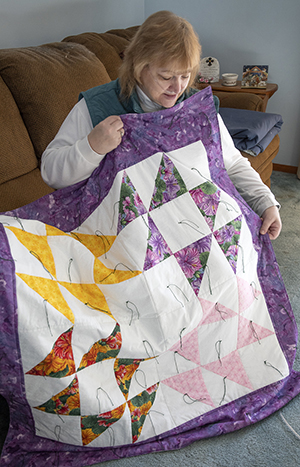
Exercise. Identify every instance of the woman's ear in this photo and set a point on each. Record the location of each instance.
(139, 73)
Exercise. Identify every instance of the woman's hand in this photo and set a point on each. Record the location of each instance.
(271, 222)
(107, 135)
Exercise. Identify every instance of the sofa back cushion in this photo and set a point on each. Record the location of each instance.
(107, 49)
(108, 46)
(20, 178)
(46, 81)
(127, 33)
(16, 151)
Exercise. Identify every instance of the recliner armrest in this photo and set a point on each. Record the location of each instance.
(240, 100)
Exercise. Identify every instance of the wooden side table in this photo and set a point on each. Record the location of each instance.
(265, 94)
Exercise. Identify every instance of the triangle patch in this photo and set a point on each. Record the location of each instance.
(97, 244)
(247, 294)
(49, 290)
(139, 407)
(214, 312)
(250, 332)
(193, 260)
(90, 295)
(60, 361)
(124, 369)
(168, 184)
(157, 248)
(230, 367)
(207, 197)
(192, 385)
(188, 347)
(228, 238)
(66, 402)
(104, 275)
(93, 426)
(103, 349)
(130, 204)
(39, 248)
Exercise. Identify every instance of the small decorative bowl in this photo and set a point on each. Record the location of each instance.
(229, 79)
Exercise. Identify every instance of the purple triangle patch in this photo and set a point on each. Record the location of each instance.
(130, 204)
(157, 248)
(168, 184)
(228, 238)
(193, 260)
(207, 197)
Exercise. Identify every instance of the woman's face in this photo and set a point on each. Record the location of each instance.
(164, 85)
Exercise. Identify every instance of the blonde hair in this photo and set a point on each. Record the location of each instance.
(163, 38)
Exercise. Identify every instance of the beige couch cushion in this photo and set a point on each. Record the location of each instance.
(16, 151)
(22, 190)
(45, 82)
(20, 178)
(127, 33)
(106, 47)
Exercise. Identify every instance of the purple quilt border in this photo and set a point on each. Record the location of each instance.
(22, 447)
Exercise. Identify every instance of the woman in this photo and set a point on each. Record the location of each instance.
(159, 67)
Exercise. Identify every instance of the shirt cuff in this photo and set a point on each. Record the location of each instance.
(267, 202)
(88, 153)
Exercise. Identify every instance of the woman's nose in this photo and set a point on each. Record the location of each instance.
(175, 85)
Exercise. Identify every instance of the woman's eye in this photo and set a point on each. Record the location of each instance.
(168, 78)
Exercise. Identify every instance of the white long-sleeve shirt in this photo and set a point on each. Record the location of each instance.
(69, 159)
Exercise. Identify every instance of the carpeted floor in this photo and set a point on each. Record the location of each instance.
(274, 442)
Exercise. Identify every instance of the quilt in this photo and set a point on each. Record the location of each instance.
(140, 309)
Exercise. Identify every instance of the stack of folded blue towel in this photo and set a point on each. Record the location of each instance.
(251, 131)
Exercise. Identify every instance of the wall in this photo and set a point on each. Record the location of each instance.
(33, 22)
(257, 32)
